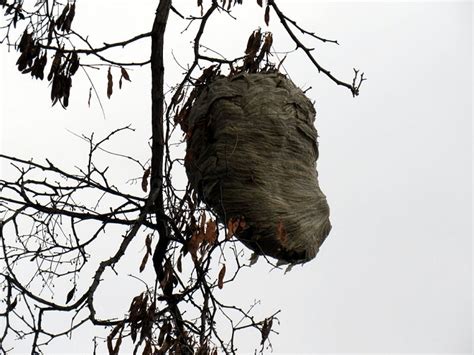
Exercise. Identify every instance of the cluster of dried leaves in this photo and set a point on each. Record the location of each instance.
(256, 60)
(110, 80)
(33, 48)
(15, 10)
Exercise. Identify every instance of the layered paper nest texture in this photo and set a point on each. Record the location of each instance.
(251, 154)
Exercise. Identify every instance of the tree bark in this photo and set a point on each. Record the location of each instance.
(157, 157)
(157, 113)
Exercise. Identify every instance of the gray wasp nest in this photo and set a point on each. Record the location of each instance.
(251, 156)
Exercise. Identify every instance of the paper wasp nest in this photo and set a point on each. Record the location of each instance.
(251, 156)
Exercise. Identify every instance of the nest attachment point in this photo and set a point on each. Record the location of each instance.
(251, 156)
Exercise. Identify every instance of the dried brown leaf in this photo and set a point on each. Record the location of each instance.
(168, 282)
(143, 263)
(67, 88)
(211, 232)
(50, 31)
(194, 243)
(220, 280)
(179, 264)
(267, 327)
(90, 96)
(267, 15)
(60, 20)
(74, 64)
(110, 83)
(135, 305)
(253, 43)
(70, 295)
(125, 74)
(55, 65)
(267, 43)
(71, 14)
(146, 174)
(253, 259)
(148, 244)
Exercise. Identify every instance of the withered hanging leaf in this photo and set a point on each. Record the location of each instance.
(267, 327)
(50, 31)
(211, 232)
(38, 67)
(60, 20)
(148, 244)
(250, 43)
(179, 264)
(289, 268)
(22, 61)
(73, 63)
(259, 2)
(68, 20)
(168, 281)
(193, 245)
(57, 87)
(120, 82)
(267, 15)
(26, 40)
(220, 280)
(253, 259)
(110, 83)
(70, 295)
(55, 65)
(136, 302)
(15, 19)
(144, 260)
(146, 174)
(90, 96)
(67, 89)
(267, 43)
(125, 74)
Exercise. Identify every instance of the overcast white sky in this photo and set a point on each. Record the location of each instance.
(395, 274)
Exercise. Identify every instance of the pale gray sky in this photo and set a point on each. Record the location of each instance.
(395, 274)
